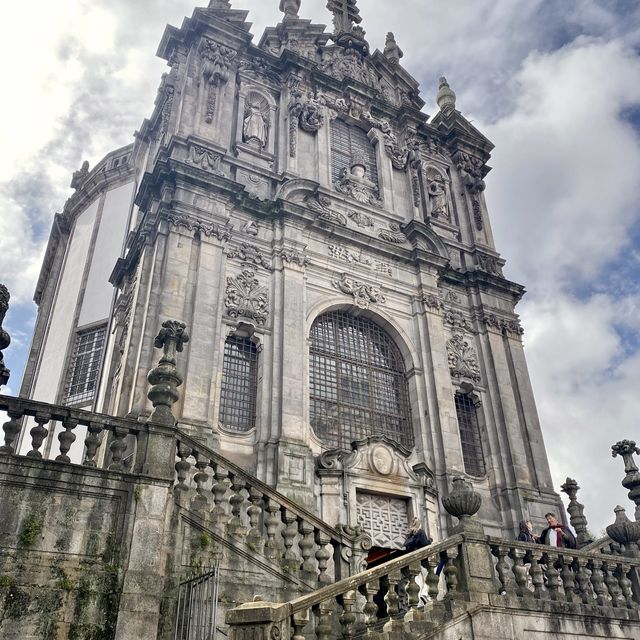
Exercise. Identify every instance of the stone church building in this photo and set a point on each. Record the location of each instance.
(350, 342)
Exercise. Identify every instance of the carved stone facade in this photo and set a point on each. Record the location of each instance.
(252, 218)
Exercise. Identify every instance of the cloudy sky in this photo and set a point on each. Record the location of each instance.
(554, 84)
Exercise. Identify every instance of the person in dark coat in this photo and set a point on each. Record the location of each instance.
(556, 534)
(526, 532)
(416, 536)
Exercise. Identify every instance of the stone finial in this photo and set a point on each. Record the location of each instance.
(346, 21)
(626, 449)
(623, 530)
(576, 512)
(391, 49)
(219, 4)
(463, 502)
(446, 97)
(5, 338)
(290, 8)
(79, 176)
(165, 377)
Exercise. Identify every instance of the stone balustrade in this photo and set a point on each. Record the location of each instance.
(536, 572)
(383, 602)
(237, 504)
(45, 415)
(375, 601)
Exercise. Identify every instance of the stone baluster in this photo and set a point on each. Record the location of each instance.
(5, 338)
(502, 566)
(183, 466)
(11, 430)
(451, 573)
(322, 613)
(291, 559)
(254, 511)
(235, 525)
(391, 598)
(91, 443)
(576, 513)
(613, 586)
(306, 545)
(568, 577)
(200, 501)
(597, 583)
(370, 609)
(322, 556)
(348, 616)
(412, 588)
(433, 580)
(537, 576)
(272, 524)
(38, 434)
(66, 438)
(165, 378)
(117, 448)
(520, 572)
(299, 621)
(219, 490)
(553, 577)
(626, 586)
(583, 579)
(631, 481)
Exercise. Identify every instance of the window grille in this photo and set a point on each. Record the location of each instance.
(470, 435)
(239, 384)
(85, 366)
(358, 386)
(346, 142)
(197, 607)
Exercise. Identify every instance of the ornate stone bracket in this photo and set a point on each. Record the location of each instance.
(463, 359)
(393, 234)
(165, 377)
(303, 112)
(250, 253)
(205, 159)
(293, 256)
(5, 338)
(355, 184)
(216, 67)
(222, 232)
(246, 297)
(363, 293)
(472, 170)
(321, 205)
(505, 326)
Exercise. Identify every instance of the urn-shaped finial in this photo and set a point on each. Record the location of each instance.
(623, 530)
(446, 96)
(463, 502)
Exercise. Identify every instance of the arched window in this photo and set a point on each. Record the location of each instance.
(469, 426)
(239, 384)
(358, 385)
(348, 142)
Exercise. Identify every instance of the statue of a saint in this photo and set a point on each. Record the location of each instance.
(255, 126)
(438, 198)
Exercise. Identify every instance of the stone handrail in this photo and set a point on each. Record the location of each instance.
(388, 591)
(541, 572)
(234, 502)
(44, 414)
(240, 505)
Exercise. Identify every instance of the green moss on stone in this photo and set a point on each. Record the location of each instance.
(6, 582)
(31, 529)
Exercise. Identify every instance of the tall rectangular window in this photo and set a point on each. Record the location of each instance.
(348, 141)
(85, 366)
(470, 435)
(239, 384)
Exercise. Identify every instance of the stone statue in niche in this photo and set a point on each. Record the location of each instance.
(255, 125)
(438, 197)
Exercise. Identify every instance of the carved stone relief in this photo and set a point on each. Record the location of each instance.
(250, 228)
(216, 67)
(205, 159)
(490, 264)
(346, 255)
(219, 231)
(463, 359)
(384, 518)
(363, 294)
(392, 234)
(246, 297)
(321, 205)
(361, 219)
(506, 326)
(251, 254)
(293, 256)
(354, 183)
(457, 320)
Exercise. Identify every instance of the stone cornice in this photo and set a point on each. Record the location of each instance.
(484, 281)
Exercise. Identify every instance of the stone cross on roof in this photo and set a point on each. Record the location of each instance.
(345, 14)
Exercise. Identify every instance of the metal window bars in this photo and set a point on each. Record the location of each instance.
(469, 427)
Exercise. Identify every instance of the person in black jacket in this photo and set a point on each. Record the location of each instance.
(526, 532)
(416, 539)
(556, 534)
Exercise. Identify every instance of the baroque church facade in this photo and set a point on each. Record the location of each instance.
(353, 341)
